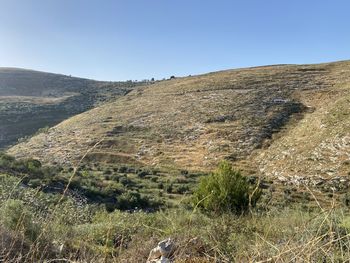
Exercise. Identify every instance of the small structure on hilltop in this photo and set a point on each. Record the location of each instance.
(280, 101)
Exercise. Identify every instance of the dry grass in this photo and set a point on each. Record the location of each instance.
(287, 235)
(69, 232)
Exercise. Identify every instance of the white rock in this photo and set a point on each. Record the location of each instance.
(161, 253)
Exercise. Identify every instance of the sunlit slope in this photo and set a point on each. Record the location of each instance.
(194, 122)
(319, 146)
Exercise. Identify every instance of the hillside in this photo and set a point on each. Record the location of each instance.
(23, 82)
(289, 123)
(319, 145)
(30, 100)
(279, 120)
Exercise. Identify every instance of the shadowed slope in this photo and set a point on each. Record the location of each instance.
(30, 100)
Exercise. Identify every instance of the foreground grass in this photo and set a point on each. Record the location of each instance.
(39, 227)
(40, 224)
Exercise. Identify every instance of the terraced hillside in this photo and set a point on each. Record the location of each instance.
(30, 100)
(318, 147)
(277, 117)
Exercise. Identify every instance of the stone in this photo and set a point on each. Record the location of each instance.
(162, 252)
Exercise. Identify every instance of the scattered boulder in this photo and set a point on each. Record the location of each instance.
(162, 252)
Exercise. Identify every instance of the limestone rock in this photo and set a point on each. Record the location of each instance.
(162, 252)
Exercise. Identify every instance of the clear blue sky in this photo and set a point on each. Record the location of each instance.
(137, 39)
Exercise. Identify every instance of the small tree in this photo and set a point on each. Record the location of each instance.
(226, 190)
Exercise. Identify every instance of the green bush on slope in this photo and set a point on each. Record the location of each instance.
(15, 216)
(225, 190)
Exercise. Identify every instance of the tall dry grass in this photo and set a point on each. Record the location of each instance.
(39, 227)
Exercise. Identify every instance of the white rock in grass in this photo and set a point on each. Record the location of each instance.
(161, 253)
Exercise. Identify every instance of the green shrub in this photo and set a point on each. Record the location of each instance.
(15, 216)
(115, 177)
(181, 189)
(131, 200)
(33, 164)
(154, 179)
(142, 174)
(6, 160)
(112, 188)
(226, 190)
(123, 169)
(155, 172)
(169, 188)
(125, 181)
(184, 172)
(107, 172)
(35, 183)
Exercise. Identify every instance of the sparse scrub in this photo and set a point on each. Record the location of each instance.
(85, 233)
(68, 228)
(285, 235)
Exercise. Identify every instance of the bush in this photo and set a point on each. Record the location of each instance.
(169, 188)
(181, 189)
(123, 169)
(131, 200)
(112, 189)
(184, 172)
(6, 160)
(154, 179)
(226, 190)
(107, 172)
(15, 216)
(35, 183)
(142, 174)
(33, 165)
(125, 181)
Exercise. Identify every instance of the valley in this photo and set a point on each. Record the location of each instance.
(192, 123)
(109, 167)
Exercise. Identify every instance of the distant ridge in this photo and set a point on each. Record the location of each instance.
(30, 100)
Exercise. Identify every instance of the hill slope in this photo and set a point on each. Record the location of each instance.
(320, 144)
(194, 122)
(23, 82)
(30, 100)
